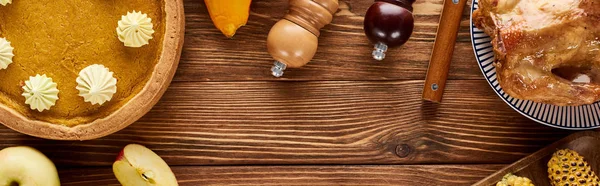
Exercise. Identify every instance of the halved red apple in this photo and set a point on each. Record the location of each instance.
(137, 165)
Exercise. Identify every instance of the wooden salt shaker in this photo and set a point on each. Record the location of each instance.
(293, 41)
(388, 24)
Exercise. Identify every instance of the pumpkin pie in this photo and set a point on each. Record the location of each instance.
(59, 39)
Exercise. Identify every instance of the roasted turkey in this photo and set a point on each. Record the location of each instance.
(547, 51)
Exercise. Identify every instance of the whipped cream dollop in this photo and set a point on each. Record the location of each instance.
(40, 92)
(96, 84)
(6, 53)
(5, 2)
(135, 29)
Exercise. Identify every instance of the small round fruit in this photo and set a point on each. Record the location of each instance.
(137, 165)
(26, 166)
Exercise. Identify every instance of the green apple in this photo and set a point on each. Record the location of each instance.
(137, 165)
(26, 166)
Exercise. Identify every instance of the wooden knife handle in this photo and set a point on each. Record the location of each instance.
(443, 49)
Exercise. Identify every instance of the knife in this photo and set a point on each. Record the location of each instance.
(442, 50)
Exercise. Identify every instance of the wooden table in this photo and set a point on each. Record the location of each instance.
(342, 119)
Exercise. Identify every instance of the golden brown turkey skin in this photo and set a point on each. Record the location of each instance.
(541, 46)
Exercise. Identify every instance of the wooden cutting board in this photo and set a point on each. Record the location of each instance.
(534, 167)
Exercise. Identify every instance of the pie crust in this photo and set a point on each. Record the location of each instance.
(131, 111)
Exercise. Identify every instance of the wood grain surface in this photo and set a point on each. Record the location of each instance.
(342, 119)
(344, 52)
(455, 175)
(342, 122)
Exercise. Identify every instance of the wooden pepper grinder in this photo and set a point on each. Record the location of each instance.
(388, 23)
(293, 40)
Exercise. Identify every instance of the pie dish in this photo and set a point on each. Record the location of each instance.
(581, 117)
(60, 38)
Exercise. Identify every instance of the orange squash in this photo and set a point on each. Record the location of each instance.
(228, 15)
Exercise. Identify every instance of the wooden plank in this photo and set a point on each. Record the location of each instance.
(344, 52)
(300, 175)
(535, 166)
(313, 122)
